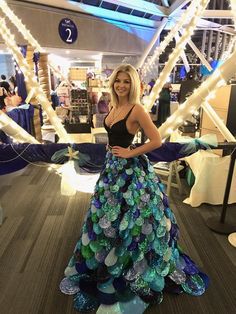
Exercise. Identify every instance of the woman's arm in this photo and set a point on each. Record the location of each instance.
(142, 118)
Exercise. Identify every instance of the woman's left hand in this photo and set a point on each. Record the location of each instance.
(122, 152)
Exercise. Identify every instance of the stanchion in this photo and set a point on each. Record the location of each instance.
(221, 226)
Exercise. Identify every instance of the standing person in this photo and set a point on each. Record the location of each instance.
(187, 87)
(103, 103)
(3, 96)
(128, 248)
(5, 84)
(164, 104)
(150, 86)
(13, 85)
(102, 109)
(2, 102)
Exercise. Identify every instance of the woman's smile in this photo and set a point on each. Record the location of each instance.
(122, 84)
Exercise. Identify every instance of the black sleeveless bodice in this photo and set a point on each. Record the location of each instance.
(118, 134)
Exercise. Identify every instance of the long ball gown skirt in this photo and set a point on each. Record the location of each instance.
(128, 250)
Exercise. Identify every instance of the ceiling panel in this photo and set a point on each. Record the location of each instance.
(216, 15)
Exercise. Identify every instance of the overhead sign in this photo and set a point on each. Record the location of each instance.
(68, 31)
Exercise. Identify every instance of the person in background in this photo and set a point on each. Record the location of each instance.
(3, 98)
(164, 104)
(150, 86)
(2, 103)
(102, 109)
(103, 103)
(187, 87)
(13, 102)
(13, 85)
(63, 93)
(153, 111)
(128, 250)
(5, 84)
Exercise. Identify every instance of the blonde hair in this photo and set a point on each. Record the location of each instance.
(135, 86)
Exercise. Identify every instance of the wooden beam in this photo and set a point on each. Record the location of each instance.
(183, 55)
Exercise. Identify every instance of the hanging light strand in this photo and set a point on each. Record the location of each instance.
(19, 25)
(33, 83)
(28, 36)
(12, 129)
(200, 96)
(184, 18)
(163, 77)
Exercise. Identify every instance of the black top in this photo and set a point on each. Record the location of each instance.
(118, 134)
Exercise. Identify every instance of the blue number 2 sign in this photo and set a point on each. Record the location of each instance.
(68, 31)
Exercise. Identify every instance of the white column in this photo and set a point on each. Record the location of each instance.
(151, 43)
(199, 54)
(183, 55)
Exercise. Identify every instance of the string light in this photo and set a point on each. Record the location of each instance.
(19, 25)
(33, 82)
(28, 36)
(223, 75)
(179, 120)
(170, 130)
(10, 127)
(175, 55)
(225, 71)
(183, 20)
(220, 77)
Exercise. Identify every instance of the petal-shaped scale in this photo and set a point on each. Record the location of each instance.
(111, 258)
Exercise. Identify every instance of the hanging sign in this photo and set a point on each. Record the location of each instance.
(68, 31)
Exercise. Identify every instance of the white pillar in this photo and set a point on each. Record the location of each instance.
(151, 43)
(183, 55)
(199, 54)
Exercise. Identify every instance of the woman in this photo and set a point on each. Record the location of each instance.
(3, 97)
(128, 248)
(103, 103)
(164, 104)
(2, 102)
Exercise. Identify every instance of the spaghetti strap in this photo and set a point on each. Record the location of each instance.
(126, 117)
(107, 114)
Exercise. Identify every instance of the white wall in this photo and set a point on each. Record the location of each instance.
(93, 33)
(6, 65)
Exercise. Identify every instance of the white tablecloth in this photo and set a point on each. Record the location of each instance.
(211, 173)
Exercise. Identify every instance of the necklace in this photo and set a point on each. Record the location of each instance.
(116, 115)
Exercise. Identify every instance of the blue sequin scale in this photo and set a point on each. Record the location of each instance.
(130, 238)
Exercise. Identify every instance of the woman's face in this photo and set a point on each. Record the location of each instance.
(122, 84)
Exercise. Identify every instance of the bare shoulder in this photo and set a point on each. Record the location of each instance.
(139, 112)
(139, 109)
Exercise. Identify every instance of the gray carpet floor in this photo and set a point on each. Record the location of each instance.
(41, 228)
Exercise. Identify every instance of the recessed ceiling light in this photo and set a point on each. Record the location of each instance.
(67, 52)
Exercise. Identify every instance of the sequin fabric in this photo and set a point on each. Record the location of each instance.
(129, 239)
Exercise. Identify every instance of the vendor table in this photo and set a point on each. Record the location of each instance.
(210, 171)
